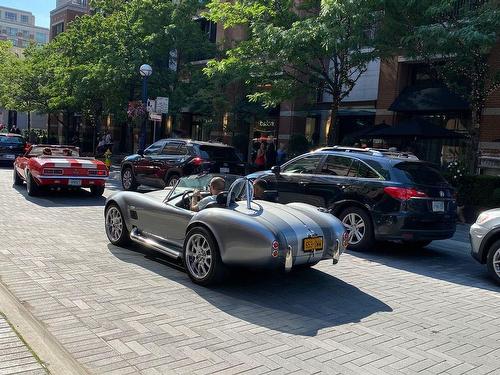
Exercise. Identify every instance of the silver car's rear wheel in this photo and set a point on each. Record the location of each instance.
(116, 230)
(202, 258)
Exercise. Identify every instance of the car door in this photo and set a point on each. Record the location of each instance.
(171, 157)
(332, 181)
(144, 166)
(293, 181)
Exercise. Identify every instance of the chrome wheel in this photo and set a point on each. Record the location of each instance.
(173, 181)
(127, 179)
(496, 262)
(355, 226)
(114, 224)
(198, 256)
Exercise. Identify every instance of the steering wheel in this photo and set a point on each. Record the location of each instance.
(186, 201)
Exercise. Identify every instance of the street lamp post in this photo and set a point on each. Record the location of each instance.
(145, 70)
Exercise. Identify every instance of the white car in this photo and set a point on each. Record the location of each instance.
(485, 241)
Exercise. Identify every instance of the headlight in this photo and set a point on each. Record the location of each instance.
(484, 217)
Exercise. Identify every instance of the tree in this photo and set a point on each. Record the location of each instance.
(455, 38)
(295, 50)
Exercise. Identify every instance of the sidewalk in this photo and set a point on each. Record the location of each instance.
(15, 356)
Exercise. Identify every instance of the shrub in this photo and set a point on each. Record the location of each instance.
(479, 191)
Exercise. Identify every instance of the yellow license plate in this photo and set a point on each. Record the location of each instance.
(313, 244)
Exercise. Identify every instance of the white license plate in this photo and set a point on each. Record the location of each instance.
(438, 206)
(224, 170)
(9, 156)
(74, 182)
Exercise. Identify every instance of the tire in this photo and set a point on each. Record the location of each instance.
(97, 191)
(31, 186)
(200, 241)
(493, 261)
(416, 245)
(129, 182)
(363, 238)
(115, 227)
(18, 181)
(172, 179)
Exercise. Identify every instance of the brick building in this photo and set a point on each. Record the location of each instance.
(65, 12)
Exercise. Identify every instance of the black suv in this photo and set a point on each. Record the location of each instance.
(377, 194)
(11, 146)
(165, 161)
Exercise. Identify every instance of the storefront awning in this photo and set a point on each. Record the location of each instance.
(429, 100)
(415, 128)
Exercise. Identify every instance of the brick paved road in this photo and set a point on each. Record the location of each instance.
(15, 357)
(124, 311)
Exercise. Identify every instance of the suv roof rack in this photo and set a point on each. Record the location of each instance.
(372, 151)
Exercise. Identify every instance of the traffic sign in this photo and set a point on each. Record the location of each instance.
(151, 107)
(154, 116)
(161, 105)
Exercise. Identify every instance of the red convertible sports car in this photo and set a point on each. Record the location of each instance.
(59, 167)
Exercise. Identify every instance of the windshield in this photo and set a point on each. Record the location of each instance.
(421, 174)
(198, 182)
(219, 153)
(9, 139)
(54, 151)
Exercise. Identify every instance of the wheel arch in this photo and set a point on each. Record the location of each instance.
(173, 171)
(198, 223)
(492, 237)
(338, 207)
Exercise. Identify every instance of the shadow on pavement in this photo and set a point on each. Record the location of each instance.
(299, 303)
(448, 260)
(62, 198)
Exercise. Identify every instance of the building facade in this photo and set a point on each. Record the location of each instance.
(64, 13)
(18, 26)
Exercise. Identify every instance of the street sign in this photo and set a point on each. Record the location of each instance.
(161, 105)
(154, 116)
(151, 106)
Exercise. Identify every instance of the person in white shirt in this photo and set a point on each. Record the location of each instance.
(216, 186)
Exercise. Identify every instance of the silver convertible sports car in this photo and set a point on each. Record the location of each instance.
(234, 230)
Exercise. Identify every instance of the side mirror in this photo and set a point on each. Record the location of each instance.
(276, 169)
(140, 152)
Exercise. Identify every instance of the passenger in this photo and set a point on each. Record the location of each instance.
(216, 186)
(259, 188)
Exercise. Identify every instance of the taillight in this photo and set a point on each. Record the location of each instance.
(275, 245)
(52, 172)
(197, 161)
(403, 193)
(97, 172)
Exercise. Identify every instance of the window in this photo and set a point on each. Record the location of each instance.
(25, 18)
(218, 153)
(361, 170)
(155, 148)
(41, 38)
(305, 165)
(10, 16)
(337, 166)
(174, 148)
(421, 174)
(12, 31)
(57, 29)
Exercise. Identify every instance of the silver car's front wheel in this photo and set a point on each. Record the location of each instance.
(201, 257)
(116, 230)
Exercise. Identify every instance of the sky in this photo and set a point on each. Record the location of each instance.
(40, 9)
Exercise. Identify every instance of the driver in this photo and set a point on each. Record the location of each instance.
(216, 186)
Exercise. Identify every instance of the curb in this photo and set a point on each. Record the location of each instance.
(56, 359)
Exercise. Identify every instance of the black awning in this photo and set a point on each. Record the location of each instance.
(429, 99)
(415, 127)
